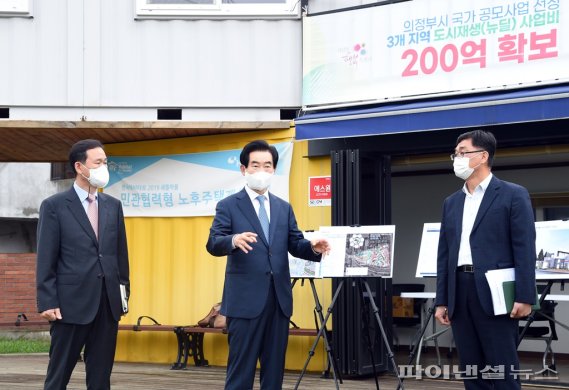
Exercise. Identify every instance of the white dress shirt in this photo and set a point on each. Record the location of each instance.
(83, 196)
(471, 205)
(253, 195)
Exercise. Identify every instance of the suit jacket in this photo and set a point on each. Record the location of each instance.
(248, 275)
(71, 262)
(503, 236)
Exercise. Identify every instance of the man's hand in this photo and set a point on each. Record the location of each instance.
(442, 315)
(51, 314)
(243, 240)
(320, 245)
(520, 310)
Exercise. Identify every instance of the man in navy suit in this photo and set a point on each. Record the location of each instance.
(82, 260)
(488, 224)
(255, 230)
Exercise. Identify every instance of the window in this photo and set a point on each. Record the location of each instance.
(15, 8)
(171, 9)
(551, 206)
(61, 171)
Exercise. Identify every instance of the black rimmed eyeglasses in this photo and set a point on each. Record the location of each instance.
(463, 154)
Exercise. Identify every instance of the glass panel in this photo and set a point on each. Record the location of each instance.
(556, 213)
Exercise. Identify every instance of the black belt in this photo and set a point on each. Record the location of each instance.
(469, 268)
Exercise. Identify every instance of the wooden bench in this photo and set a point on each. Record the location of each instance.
(190, 339)
(22, 323)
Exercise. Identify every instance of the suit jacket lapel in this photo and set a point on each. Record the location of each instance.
(246, 206)
(489, 195)
(460, 213)
(275, 212)
(103, 213)
(77, 210)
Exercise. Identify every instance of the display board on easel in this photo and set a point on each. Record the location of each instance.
(304, 269)
(427, 264)
(362, 251)
(552, 245)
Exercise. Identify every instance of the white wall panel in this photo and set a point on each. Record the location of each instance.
(315, 6)
(94, 54)
(203, 114)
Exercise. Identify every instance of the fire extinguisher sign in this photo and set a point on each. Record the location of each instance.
(319, 191)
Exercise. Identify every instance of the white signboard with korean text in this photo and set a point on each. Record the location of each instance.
(433, 47)
(185, 185)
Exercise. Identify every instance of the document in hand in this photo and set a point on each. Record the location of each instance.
(124, 299)
(503, 288)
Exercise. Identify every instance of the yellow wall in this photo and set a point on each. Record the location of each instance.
(175, 280)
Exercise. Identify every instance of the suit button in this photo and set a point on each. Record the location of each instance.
(100, 256)
(101, 276)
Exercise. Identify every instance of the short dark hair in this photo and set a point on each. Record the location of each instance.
(258, 146)
(78, 151)
(483, 140)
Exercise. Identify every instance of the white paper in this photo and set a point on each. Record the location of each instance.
(496, 279)
(332, 264)
(427, 263)
(124, 299)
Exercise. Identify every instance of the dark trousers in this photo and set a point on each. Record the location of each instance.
(99, 339)
(482, 340)
(263, 339)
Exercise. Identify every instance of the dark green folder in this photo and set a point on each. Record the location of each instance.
(510, 294)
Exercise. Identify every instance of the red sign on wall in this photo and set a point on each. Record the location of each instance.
(319, 191)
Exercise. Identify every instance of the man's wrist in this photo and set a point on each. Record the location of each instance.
(314, 250)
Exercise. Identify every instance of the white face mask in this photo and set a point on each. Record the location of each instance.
(98, 177)
(462, 168)
(258, 181)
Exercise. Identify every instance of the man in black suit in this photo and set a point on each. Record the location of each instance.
(255, 230)
(82, 260)
(488, 224)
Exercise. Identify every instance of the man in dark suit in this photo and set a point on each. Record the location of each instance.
(256, 230)
(486, 225)
(82, 260)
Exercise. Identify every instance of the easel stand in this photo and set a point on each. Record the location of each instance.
(421, 337)
(322, 331)
(531, 317)
(390, 354)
